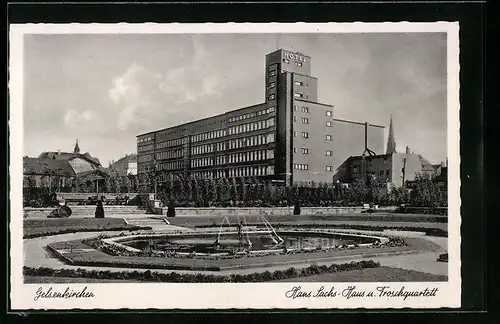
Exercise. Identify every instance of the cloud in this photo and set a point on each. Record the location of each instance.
(140, 95)
(75, 118)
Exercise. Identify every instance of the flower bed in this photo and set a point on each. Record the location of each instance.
(149, 276)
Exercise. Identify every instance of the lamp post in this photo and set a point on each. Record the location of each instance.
(403, 170)
(155, 166)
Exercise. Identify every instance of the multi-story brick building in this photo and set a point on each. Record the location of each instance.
(291, 137)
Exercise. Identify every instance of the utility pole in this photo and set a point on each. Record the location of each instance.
(403, 170)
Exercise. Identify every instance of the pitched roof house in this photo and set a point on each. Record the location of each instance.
(79, 162)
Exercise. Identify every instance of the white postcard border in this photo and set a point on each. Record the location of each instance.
(228, 295)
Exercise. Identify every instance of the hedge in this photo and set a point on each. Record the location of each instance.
(150, 276)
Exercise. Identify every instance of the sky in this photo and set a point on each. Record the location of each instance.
(106, 89)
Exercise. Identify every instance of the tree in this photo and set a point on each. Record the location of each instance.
(243, 191)
(213, 192)
(235, 196)
(426, 194)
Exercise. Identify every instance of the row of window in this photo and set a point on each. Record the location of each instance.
(249, 171)
(382, 173)
(233, 158)
(306, 135)
(287, 61)
(170, 154)
(304, 109)
(251, 141)
(304, 120)
(202, 174)
(251, 115)
(328, 113)
(144, 139)
(250, 156)
(250, 127)
(174, 142)
(202, 162)
(301, 166)
(302, 134)
(234, 144)
(208, 135)
(306, 167)
(174, 165)
(145, 158)
(304, 150)
(144, 148)
(203, 149)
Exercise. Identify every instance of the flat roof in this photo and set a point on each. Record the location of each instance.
(355, 122)
(201, 119)
(314, 102)
(285, 50)
(304, 75)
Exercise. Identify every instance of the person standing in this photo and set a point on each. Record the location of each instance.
(99, 211)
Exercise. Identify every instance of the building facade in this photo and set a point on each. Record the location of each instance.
(78, 161)
(386, 169)
(125, 166)
(291, 137)
(48, 173)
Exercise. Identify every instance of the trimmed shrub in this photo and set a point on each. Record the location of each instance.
(296, 208)
(171, 209)
(149, 276)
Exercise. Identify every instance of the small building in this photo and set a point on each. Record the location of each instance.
(79, 162)
(50, 173)
(386, 169)
(125, 166)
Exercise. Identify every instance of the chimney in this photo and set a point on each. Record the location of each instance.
(407, 150)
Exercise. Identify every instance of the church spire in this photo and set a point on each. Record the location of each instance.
(391, 143)
(77, 148)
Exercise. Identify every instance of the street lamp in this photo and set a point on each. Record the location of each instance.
(155, 166)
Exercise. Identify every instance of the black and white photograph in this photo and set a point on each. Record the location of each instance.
(300, 165)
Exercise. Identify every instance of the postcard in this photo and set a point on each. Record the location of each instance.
(248, 166)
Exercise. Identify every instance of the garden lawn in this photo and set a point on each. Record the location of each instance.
(100, 259)
(380, 274)
(44, 227)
